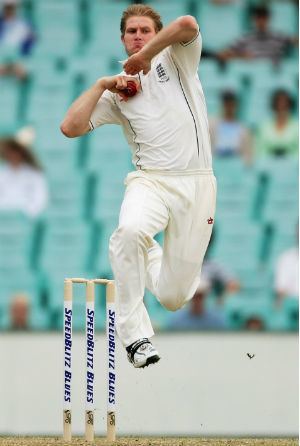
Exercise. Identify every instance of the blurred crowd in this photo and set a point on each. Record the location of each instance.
(261, 42)
(276, 136)
(16, 40)
(24, 184)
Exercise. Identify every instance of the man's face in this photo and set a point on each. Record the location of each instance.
(282, 103)
(229, 107)
(9, 11)
(12, 157)
(139, 30)
(261, 23)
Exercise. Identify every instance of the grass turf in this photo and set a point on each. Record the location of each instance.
(135, 441)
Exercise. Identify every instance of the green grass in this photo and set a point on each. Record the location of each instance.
(135, 441)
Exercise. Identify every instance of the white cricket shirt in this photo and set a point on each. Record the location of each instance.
(166, 123)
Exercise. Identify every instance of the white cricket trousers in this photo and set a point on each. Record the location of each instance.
(182, 204)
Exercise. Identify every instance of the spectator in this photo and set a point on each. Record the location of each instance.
(16, 40)
(279, 135)
(219, 278)
(287, 274)
(196, 316)
(229, 137)
(22, 183)
(254, 323)
(261, 42)
(19, 312)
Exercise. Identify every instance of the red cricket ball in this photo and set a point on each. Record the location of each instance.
(131, 89)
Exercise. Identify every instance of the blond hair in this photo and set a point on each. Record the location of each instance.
(140, 10)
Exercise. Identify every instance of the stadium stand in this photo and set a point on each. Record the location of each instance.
(257, 210)
(10, 105)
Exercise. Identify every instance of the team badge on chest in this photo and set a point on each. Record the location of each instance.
(161, 73)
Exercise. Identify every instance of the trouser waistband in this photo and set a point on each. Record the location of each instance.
(179, 172)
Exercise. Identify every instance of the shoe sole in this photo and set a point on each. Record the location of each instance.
(152, 360)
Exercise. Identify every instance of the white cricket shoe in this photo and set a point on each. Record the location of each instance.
(142, 353)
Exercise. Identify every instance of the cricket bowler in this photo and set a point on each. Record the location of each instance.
(173, 188)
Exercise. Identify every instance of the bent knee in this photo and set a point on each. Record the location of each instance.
(172, 303)
(127, 236)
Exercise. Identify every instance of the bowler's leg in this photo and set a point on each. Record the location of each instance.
(186, 240)
(143, 214)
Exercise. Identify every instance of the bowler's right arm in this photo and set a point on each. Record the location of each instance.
(77, 119)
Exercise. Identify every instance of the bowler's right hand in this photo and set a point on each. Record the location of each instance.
(116, 84)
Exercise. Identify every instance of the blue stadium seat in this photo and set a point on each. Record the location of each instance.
(281, 203)
(214, 83)
(46, 75)
(17, 239)
(214, 37)
(231, 171)
(284, 228)
(57, 159)
(52, 91)
(285, 316)
(254, 281)
(284, 17)
(279, 322)
(17, 282)
(237, 188)
(257, 307)
(9, 105)
(68, 195)
(66, 248)
(91, 67)
(262, 87)
(233, 312)
(49, 104)
(109, 151)
(291, 310)
(238, 203)
(279, 169)
(238, 242)
(108, 201)
(250, 69)
(170, 10)
(209, 68)
(57, 23)
(239, 308)
(104, 17)
(39, 318)
(233, 208)
(49, 137)
(290, 67)
(280, 244)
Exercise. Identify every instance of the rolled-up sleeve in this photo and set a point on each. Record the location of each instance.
(105, 112)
